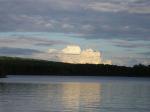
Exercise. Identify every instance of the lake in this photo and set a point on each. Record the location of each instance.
(74, 94)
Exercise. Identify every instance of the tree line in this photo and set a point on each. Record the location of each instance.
(23, 66)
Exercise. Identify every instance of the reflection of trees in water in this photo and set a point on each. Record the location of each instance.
(77, 94)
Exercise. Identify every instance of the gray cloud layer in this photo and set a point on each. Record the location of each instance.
(25, 41)
(6, 51)
(127, 19)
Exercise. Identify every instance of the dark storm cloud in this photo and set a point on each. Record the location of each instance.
(125, 19)
(7, 51)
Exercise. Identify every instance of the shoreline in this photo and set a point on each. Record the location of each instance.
(70, 79)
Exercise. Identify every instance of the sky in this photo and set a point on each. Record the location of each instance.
(119, 29)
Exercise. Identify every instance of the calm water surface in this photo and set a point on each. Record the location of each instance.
(74, 94)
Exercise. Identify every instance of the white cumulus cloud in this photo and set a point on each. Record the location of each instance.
(74, 54)
(72, 49)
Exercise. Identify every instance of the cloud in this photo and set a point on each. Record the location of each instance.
(130, 6)
(51, 56)
(88, 20)
(74, 54)
(27, 41)
(7, 51)
(52, 42)
(66, 26)
(106, 7)
(147, 54)
(131, 44)
(87, 28)
(91, 18)
(71, 49)
(52, 50)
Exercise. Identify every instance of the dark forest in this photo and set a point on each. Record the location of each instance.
(23, 66)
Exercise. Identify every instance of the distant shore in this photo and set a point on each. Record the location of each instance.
(23, 66)
(71, 79)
